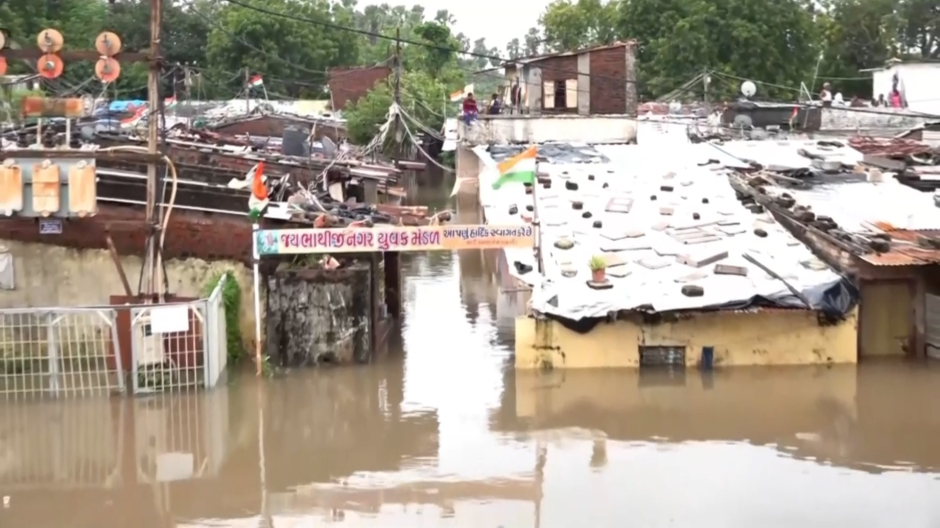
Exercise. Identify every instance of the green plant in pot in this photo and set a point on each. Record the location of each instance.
(598, 269)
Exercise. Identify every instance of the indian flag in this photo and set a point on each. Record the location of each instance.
(460, 94)
(169, 102)
(256, 81)
(519, 169)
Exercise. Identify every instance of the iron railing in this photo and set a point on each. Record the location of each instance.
(61, 352)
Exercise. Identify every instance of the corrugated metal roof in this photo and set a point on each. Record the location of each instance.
(888, 147)
(536, 58)
(905, 250)
(863, 206)
(663, 216)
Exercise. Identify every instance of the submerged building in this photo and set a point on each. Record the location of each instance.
(697, 273)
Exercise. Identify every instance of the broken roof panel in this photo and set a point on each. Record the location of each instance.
(664, 221)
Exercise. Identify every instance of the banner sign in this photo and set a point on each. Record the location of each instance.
(392, 238)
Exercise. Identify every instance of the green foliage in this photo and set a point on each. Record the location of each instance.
(597, 263)
(11, 101)
(232, 302)
(420, 94)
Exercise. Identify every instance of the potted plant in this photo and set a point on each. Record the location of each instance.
(598, 269)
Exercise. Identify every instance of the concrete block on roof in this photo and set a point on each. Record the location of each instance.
(726, 269)
(732, 230)
(702, 258)
(619, 272)
(654, 263)
(627, 244)
(692, 277)
(666, 211)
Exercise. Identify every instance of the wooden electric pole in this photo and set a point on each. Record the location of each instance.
(247, 91)
(153, 138)
(397, 93)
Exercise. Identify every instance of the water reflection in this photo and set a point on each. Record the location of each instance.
(444, 433)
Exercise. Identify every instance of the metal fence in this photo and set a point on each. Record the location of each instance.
(178, 346)
(69, 352)
(60, 352)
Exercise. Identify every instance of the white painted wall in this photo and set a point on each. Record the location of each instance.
(919, 82)
(540, 129)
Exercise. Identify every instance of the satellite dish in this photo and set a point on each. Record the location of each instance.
(675, 107)
(748, 89)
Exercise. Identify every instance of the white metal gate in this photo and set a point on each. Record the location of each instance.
(168, 345)
(932, 313)
(59, 352)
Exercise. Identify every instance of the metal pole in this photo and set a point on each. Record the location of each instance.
(153, 96)
(705, 82)
(397, 93)
(247, 91)
(255, 257)
(535, 221)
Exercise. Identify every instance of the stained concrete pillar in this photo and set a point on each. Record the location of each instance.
(630, 53)
(533, 87)
(584, 84)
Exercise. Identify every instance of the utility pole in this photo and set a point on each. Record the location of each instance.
(153, 138)
(247, 91)
(398, 133)
(706, 80)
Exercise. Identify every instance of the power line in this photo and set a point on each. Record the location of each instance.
(427, 45)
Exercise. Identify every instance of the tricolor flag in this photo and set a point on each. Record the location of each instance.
(519, 169)
(169, 102)
(796, 112)
(256, 81)
(131, 122)
(254, 180)
(460, 94)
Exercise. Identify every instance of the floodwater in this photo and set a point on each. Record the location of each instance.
(444, 433)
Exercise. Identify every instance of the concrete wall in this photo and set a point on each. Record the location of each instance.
(770, 337)
(48, 275)
(918, 84)
(319, 316)
(868, 120)
(540, 129)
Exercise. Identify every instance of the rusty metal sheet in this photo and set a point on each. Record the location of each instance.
(905, 251)
(83, 195)
(888, 147)
(11, 188)
(46, 188)
(49, 107)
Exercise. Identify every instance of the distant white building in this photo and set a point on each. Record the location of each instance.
(917, 82)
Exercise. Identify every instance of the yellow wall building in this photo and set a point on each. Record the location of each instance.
(766, 337)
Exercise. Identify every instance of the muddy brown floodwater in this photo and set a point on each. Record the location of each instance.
(444, 433)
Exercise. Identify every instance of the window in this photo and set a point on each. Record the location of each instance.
(560, 94)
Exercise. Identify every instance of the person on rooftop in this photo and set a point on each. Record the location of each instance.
(495, 105)
(826, 94)
(470, 109)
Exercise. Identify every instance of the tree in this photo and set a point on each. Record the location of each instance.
(571, 25)
(514, 49)
(533, 42)
(423, 91)
(282, 47)
(854, 35)
(772, 42)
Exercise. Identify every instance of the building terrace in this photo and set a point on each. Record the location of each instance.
(700, 274)
(875, 229)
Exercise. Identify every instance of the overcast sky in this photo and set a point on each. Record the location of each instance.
(499, 21)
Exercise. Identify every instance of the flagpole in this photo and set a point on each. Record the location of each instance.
(257, 291)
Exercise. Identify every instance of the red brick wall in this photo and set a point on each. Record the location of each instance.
(608, 81)
(347, 85)
(189, 234)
